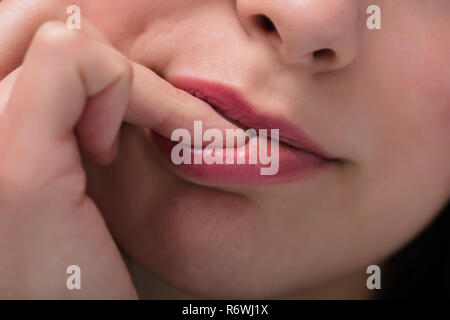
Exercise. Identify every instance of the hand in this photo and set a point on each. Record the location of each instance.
(72, 91)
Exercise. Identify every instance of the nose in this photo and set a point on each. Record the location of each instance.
(321, 35)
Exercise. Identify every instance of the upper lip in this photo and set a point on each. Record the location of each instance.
(233, 105)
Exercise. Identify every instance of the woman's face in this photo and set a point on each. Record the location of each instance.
(377, 100)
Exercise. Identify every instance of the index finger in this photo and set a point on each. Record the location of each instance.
(156, 104)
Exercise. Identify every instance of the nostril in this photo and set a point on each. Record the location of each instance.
(324, 54)
(265, 23)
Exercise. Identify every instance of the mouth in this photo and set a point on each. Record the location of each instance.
(299, 156)
(232, 106)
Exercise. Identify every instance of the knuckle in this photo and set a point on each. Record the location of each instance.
(53, 34)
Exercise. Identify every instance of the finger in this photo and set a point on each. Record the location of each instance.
(155, 103)
(64, 74)
(6, 85)
(20, 19)
(65, 71)
(100, 123)
(158, 105)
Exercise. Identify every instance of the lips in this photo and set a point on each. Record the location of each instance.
(299, 155)
(233, 106)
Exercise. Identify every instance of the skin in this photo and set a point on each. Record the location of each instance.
(382, 105)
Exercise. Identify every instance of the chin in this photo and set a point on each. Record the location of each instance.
(203, 241)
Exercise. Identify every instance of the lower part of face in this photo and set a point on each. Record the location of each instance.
(384, 111)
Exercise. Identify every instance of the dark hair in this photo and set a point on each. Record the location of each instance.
(422, 268)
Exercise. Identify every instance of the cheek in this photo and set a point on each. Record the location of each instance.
(408, 93)
(441, 92)
(427, 81)
(429, 88)
(421, 52)
(411, 53)
(118, 20)
(414, 87)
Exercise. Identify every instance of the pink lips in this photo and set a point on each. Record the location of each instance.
(299, 156)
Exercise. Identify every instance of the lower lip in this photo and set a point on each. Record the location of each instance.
(294, 165)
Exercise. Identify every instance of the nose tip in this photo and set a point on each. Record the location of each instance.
(321, 35)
